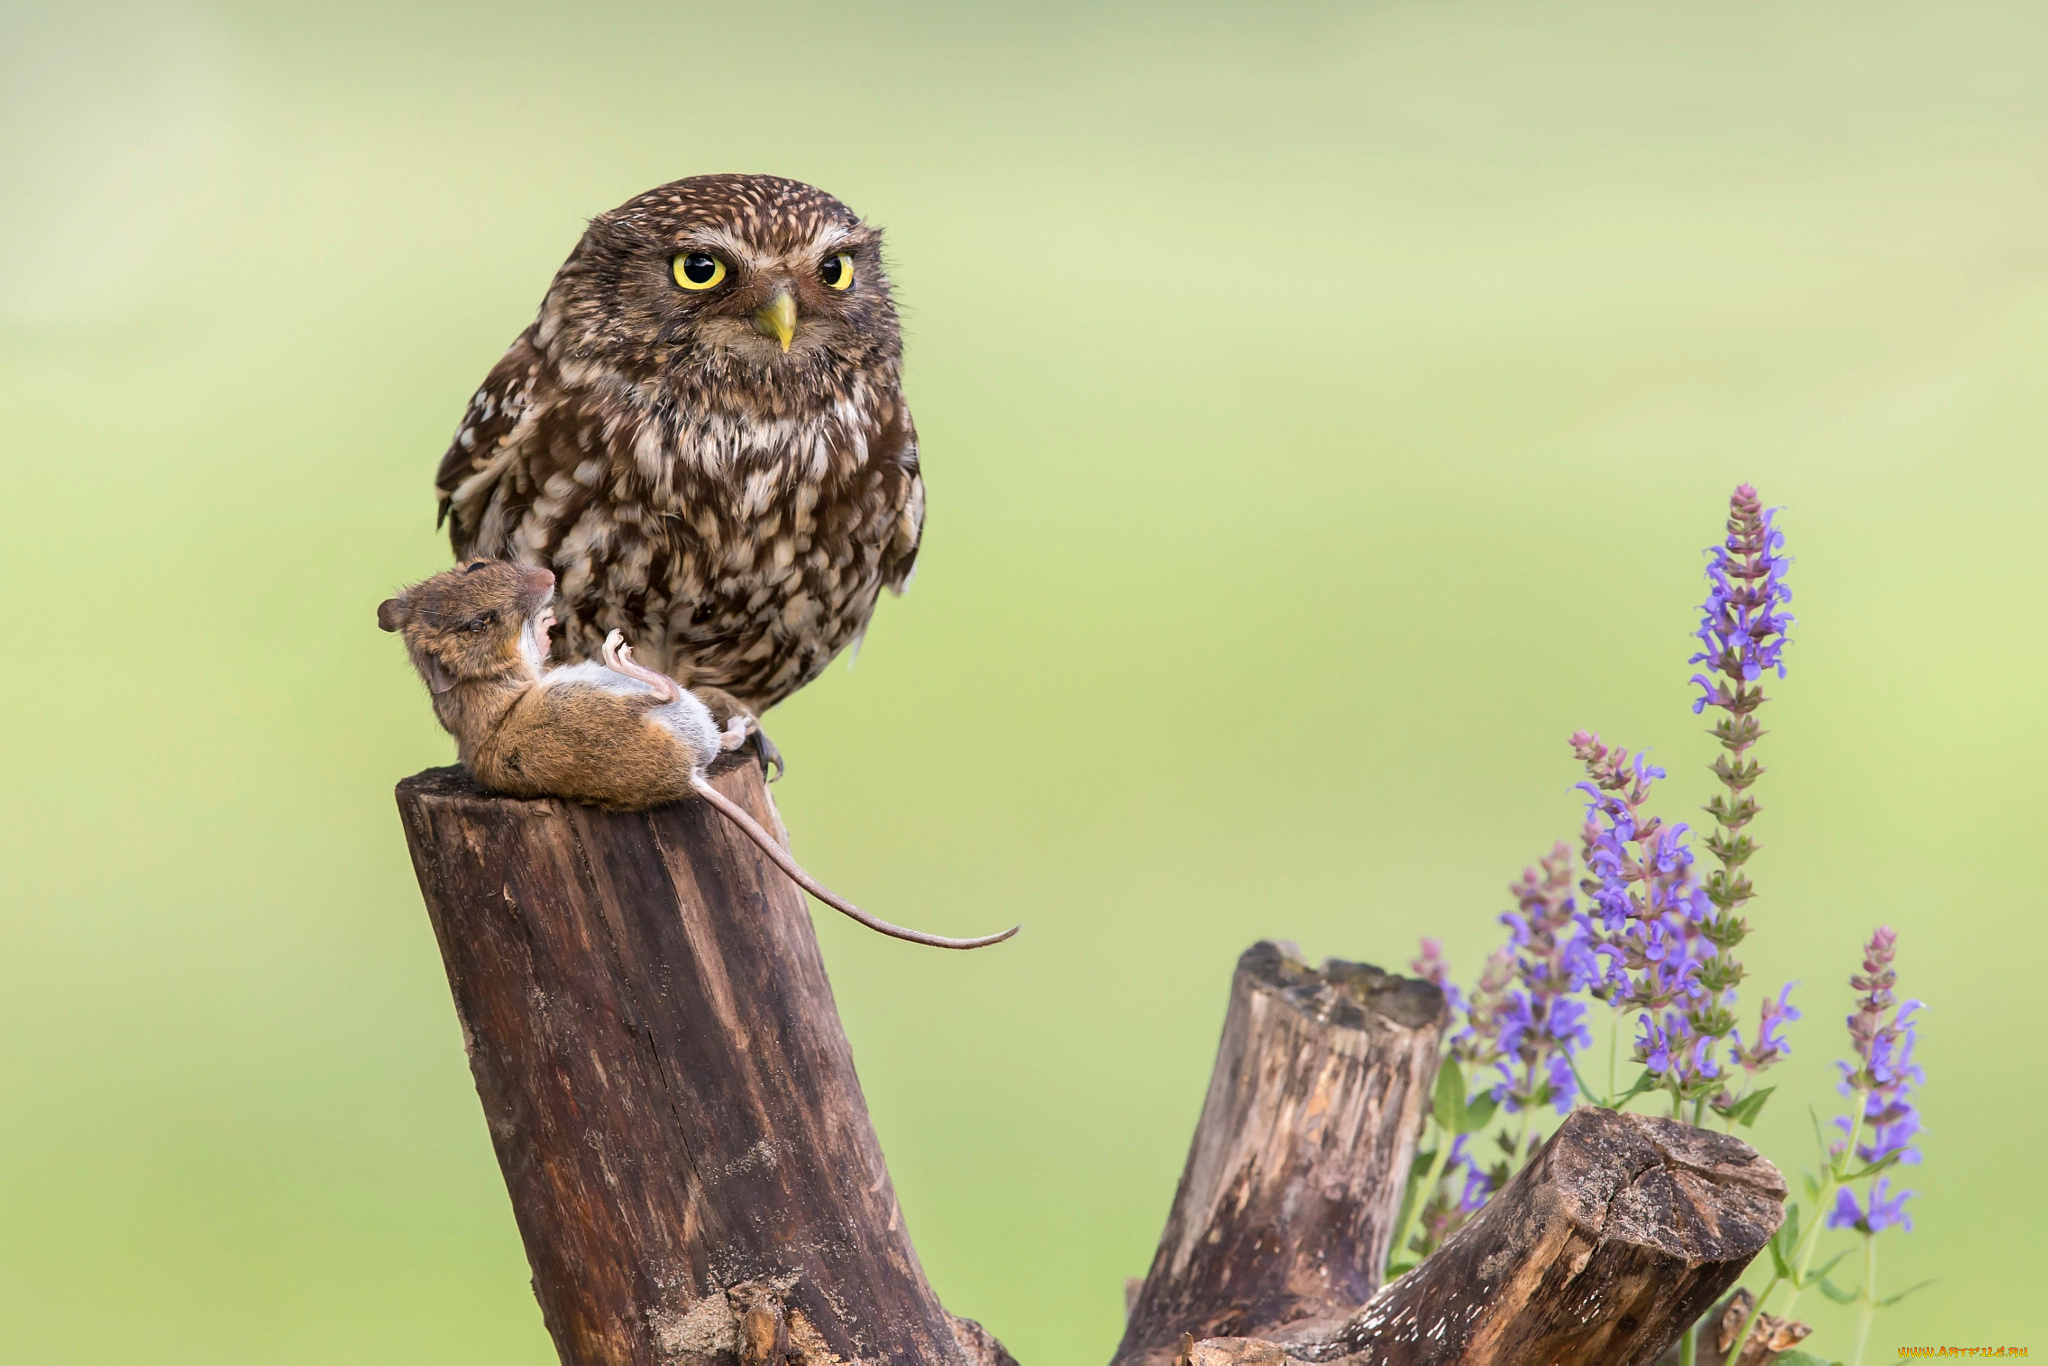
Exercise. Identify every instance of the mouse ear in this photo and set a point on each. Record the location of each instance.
(391, 613)
(439, 680)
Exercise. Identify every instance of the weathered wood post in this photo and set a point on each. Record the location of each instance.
(1294, 1178)
(1621, 1231)
(668, 1088)
(691, 1165)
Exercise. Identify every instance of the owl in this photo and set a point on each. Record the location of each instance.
(703, 434)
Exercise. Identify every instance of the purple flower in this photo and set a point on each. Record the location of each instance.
(1770, 1045)
(1881, 1079)
(1672, 1049)
(1741, 634)
(1742, 624)
(1888, 1075)
(1538, 1025)
(1883, 1211)
(1431, 966)
(1478, 1183)
(1519, 1019)
(1648, 937)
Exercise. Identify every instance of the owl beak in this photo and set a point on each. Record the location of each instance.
(777, 318)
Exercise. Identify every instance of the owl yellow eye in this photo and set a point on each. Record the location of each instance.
(696, 270)
(837, 272)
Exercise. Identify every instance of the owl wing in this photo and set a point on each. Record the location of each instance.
(898, 448)
(489, 439)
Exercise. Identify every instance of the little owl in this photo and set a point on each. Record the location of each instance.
(704, 435)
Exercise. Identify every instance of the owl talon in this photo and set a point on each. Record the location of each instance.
(735, 733)
(770, 755)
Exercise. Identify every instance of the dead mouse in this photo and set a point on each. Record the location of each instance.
(612, 734)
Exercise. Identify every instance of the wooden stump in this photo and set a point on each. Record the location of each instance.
(691, 1165)
(1623, 1230)
(1294, 1180)
(669, 1091)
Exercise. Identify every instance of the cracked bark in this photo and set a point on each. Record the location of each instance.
(1623, 1230)
(1617, 1235)
(692, 1169)
(670, 1094)
(1294, 1179)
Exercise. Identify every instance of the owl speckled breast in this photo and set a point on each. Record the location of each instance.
(704, 436)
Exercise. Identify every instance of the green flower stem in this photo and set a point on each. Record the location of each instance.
(1422, 1193)
(1772, 1284)
(1811, 1242)
(1614, 1059)
(1866, 1307)
(1811, 1239)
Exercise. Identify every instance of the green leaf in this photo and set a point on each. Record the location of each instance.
(1812, 1186)
(1836, 1293)
(1448, 1105)
(1646, 1082)
(1828, 1266)
(1799, 1358)
(1891, 1300)
(1413, 1192)
(1745, 1111)
(1785, 1242)
(1478, 1114)
(1585, 1090)
(1874, 1168)
(1781, 1265)
(1820, 1139)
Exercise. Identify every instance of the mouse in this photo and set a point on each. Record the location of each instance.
(612, 733)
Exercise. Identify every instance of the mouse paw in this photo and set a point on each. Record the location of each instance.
(618, 657)
(726, 710)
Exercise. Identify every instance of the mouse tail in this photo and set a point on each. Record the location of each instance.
(751, 828)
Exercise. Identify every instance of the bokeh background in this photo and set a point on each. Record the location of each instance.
(1324, 409)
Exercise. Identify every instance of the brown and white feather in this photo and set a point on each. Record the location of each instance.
(734, 508)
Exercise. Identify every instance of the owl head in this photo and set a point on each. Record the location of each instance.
(746, 278)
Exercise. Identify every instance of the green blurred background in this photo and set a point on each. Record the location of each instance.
(1324, 409)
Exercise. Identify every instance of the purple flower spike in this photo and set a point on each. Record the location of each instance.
(1742, 635)
(1742, 623)
(1770, 1045)
(1651, 918)
(1881, 1079)
(1432, 967)
(1533, 1026)
(1883, 1072)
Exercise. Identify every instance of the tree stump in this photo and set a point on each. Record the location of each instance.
(1622, 1231)
(667, 1085)
(1294, 1179)
(674, 1106)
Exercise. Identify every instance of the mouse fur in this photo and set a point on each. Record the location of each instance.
(613, 734)
(477, 633)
